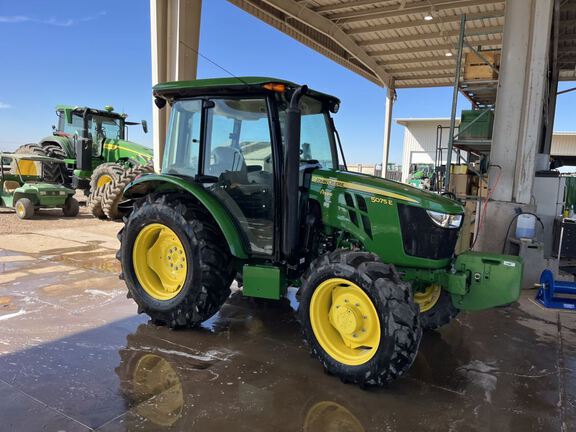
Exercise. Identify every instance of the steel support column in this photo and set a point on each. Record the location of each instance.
(390, 98)
(175, 34)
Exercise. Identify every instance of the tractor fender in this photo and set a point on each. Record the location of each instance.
(24, 193)
(161, 183)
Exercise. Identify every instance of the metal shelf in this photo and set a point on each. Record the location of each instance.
(476, 146)
(481, 94)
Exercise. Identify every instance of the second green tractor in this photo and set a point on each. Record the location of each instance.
(254, 187)
(99, 158)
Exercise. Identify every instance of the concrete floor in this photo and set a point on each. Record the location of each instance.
(75, 356)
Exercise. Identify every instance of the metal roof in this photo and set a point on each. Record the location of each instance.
(388, 42)
(567, 41)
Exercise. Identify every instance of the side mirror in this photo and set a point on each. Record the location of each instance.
(145, 126)
(53, 127)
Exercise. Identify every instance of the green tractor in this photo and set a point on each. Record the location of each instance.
(254, 187)
(98, 157)
(23, 188)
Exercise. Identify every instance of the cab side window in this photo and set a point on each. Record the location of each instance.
(238, 154)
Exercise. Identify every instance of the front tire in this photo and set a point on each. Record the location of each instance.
(114, 192)
(101, 179)
(436, 308)
(359, 319)
(24, 208)
(166, 229)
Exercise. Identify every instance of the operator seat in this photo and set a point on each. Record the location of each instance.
(230, 165)
(10, 186)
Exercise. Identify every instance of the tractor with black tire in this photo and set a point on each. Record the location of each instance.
(98, 157)
(254, 187)
(23, 187)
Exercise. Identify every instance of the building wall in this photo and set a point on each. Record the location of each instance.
(420, 143)
(563, 144)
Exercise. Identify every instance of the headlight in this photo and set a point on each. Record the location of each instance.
(62, 193)
(445, 220)
(43, 193)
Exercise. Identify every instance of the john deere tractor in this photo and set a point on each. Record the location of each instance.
(254, 186)
(99, 158)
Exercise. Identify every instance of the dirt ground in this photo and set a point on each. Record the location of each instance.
(76, 356)
(45, 219)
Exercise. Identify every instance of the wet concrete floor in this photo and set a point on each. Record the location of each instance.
(75, 356)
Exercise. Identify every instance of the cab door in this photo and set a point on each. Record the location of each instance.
(237, 153)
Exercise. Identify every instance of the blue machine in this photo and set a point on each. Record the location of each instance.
(549, 290)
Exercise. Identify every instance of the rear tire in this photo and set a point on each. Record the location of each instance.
(114, 192)
(51, 171)
(24, 208)
(397, 324)
(57, 171)
(71, 207)
(208, 271)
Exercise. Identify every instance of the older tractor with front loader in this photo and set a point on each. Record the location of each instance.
(98, 157)
(254, 186)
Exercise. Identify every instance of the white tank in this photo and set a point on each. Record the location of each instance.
(526, 226)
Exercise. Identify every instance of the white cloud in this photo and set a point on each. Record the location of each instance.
(14, 19)
(4, 105)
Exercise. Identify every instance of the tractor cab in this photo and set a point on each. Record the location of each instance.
(233, 143)
(90, 131)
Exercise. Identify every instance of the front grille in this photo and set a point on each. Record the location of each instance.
(422, 238)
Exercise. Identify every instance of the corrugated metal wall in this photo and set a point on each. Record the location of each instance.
(563, 144)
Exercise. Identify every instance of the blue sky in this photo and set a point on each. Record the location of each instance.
(98, 53)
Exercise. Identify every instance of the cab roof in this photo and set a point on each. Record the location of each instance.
(222, 86)
(80, 109)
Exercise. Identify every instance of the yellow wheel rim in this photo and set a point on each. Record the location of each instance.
(331, 416)
(103, 180)
(20, 209)
(345, 322)
(28, 168)
(428, 298)
(160, 261)
(157, 390)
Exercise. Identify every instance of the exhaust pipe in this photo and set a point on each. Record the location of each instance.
(290, 222)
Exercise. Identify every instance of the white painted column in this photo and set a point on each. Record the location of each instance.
(390, 96)
(175, 36)
(510, 99)
(534, 100)
(518, 117)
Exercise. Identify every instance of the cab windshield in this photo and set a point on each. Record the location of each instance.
(99, 126)
(316, 138)
(105, 127)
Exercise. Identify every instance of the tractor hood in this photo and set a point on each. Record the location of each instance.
(128, 149)
(380, 187)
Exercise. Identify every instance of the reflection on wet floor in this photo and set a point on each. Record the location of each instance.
(75, 356)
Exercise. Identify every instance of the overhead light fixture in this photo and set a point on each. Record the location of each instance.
(430, 14)
(448, 54)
